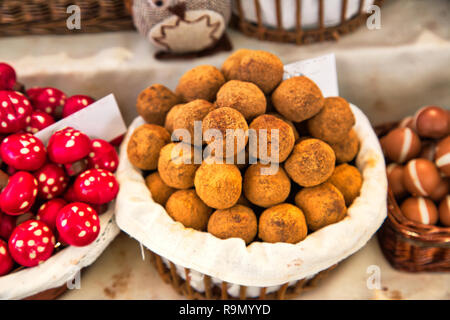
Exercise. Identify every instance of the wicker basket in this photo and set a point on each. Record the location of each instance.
(299, 35)
(22, 17)
(411, 246)
(183, 287)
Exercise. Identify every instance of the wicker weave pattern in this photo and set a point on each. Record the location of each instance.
(181, 286)
(298, 36)
(408, 245)
(49, 16)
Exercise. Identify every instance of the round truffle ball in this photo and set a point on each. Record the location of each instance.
(176, 165)
(323, 205)
(218, 185)
(154, 102)
(231, 65)
(444, 211)
(186, 207)
(259, 67)
(233, 128)
(234, 222)
(312, 162)
(201, 82)
(346, 149)
(185, 116)
(243, 96)
(282, 223)
(348, 180)
(145, 144)
(159, 190)
(298, 99)
(277, 148)
(265, 185)
(394, 174)
(171, 116)
(421, 177)
(333, 123)
(401, 145)
(431, 122)
(442, 156)
(289, 122)
(421, 210)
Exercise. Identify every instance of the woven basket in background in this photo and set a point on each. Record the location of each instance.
(299, 35)
(22, 17)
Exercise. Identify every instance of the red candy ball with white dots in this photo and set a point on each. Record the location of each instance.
(48, 212)
(48, 100)
(52, 181)
(20, 194)
(6, 262)
(75, 104)
(15, 111)
(96, 186)
(38, 121)
(23, 151)
(68, 146)
(78, 224)
(103, 156)
(7, 77)
(31, 243)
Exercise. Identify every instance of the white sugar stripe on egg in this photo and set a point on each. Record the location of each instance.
(390, 168)
(406, 145)
(412, 169)
(423, 210)
(443, 161)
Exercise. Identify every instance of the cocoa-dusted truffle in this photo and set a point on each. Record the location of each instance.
(298, 99)
(236, 222)
(159, 190)
(348, 180)
(186, 207)
(322, 205)
(346, 149)
(282, 223)
(311, 162)
(218, 185)
(260, 67)
(186, 114)
(176, 165)
(266, 188)
(171, 116)
(231, 65)
(226, 119)
(289, 122)
(201, 82)
(243, 96)
(263, 125)
(154, 102)
(333, 123)
(145, 144)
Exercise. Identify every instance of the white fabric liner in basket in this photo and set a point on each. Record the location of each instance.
(61, 267)
(309, 12)
(259, 264)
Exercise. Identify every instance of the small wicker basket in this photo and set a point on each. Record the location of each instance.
(22, 17)
(212, 291)
(298, 35)
(411, 246)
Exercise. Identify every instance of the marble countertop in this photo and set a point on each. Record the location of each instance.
(388, 73)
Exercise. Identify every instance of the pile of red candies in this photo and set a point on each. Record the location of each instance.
(48, 195)
(419, 172)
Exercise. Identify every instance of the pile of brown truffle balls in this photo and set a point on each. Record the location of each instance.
(418, 150)
(313, 182)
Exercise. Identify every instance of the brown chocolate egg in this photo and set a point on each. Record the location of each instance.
(431, 122)
(401, 144)
(395, 178)
(421, 177)
(407, 122)
(440, 191)
(442, 156)
(444, 211)
(421, 210)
